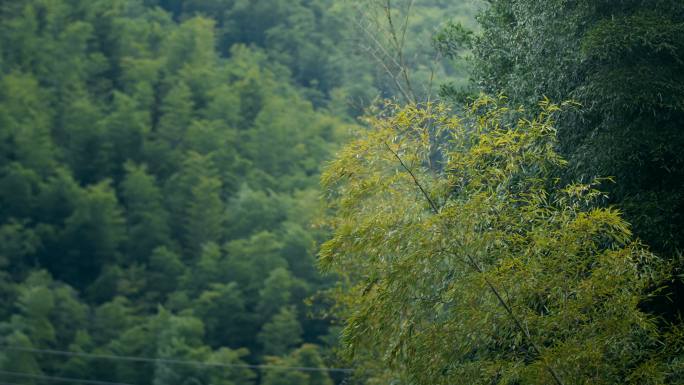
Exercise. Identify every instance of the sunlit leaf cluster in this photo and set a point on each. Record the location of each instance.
(464, 261)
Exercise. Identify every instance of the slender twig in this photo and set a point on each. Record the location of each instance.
(480, 271)
(403, 45)
(415, 180)
(409, 96)
(385, 57)
(399, 46)
(406, 23)
(390, 24)
(433, 65)
(515, 319)
(397, 83)
(379, 45)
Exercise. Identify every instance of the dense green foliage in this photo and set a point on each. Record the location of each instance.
(159, 169)
(466, 262)
(158, 179)
(624, 62)
(477, 248)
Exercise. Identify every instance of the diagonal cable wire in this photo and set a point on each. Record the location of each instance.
(172, 361)
(9, 383)
(59, 379)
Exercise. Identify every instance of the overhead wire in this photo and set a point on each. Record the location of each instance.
(59, 379)
(8, 383)
(173, 361)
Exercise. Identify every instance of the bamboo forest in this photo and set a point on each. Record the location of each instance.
(342, 192)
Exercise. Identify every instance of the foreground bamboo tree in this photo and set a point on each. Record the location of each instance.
(464, 261)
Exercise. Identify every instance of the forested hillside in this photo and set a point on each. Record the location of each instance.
(156, 196)
(159, 166)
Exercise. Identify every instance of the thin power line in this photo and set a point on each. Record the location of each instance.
(173, 361)
(8, 383)
(59, 379)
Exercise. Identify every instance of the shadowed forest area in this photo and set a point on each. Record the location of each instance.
(319, 192)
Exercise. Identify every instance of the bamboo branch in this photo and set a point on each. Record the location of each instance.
(490, 285)
(399, 45)
(515, 319)
(379, 45)
(385, 56)
(397, 83)
(415, 180)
